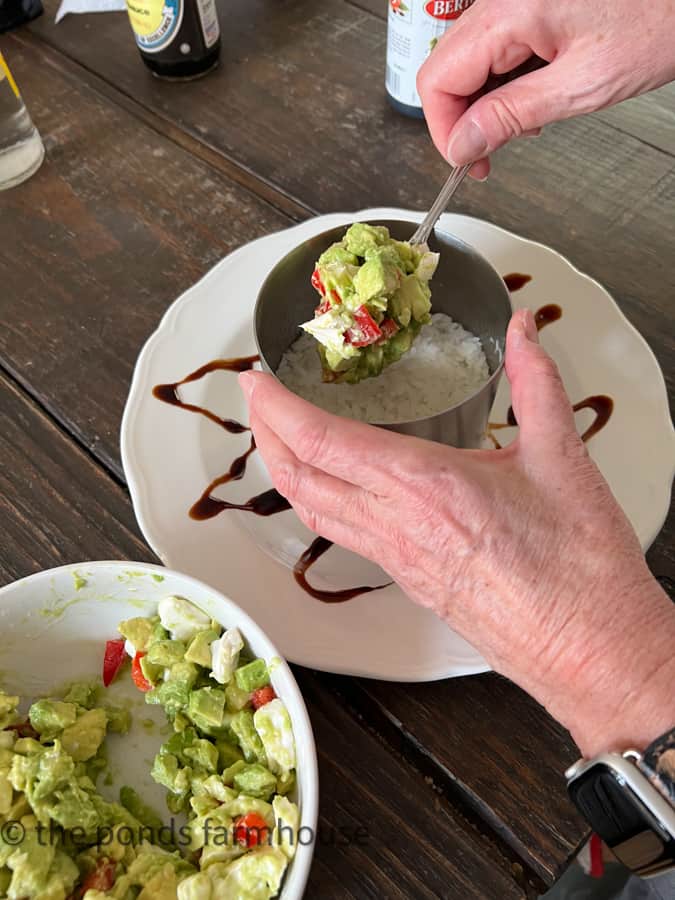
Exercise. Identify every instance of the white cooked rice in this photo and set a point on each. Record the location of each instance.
(445, 365)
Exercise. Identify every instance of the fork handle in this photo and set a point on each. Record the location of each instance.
(458, 174)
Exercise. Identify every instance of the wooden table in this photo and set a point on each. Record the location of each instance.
(147, 185)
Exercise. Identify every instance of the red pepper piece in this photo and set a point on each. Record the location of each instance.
(365, 330)
(250, 830)
(112, 660)
(388, 328)
(101, 879)
(317, 283)
(139, 678)
(262, 696)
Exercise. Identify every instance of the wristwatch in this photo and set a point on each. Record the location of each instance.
(629, 801)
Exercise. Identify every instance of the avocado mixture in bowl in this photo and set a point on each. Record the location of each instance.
(227, 762)
(375, 297)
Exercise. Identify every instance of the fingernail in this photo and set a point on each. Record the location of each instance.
(530, 326)
(247, 384)
(468, 146)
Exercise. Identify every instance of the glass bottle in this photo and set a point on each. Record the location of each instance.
(21, 148)
(177, 39)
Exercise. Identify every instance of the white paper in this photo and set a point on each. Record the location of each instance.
(88, 6)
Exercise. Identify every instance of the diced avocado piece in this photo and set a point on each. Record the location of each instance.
(159, 633)
(214, 787)
(27, 746)
(96, 764)
(178, 742)
(204, 754)
(82, 739)
(228, 754)
(137, 631)
(387, 253)
(401, 342)
(151, 671)
(49, 717)
(153, 697)
(176, 803)
(166, 653)
(377, 276)
(406, 255)
(199, 651)
(174, 694)
(411, 301)
(119, 718)
(338, 254)
(361, 237)
(231, 771)
(235, 698)
(180, 722)
(167, 771)
(206, 706)
(286, 782)
(202, 804)
(84, 693)
(252, 676)
(335, 360)
(256, 781)
(132, 801)
(8, 707)
(249, 739)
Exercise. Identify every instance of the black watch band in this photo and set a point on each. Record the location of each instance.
(658, 764)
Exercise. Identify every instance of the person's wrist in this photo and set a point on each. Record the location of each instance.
(612, 684)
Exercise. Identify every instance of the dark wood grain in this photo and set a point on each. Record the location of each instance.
(57, 506)
(517, 772)
(115, 225)
(651, 118)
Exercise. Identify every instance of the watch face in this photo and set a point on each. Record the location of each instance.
(622, 820)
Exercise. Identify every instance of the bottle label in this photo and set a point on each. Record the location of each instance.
(155, 22)
(208, 16)
(414, 28)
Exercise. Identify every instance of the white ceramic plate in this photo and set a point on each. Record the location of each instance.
(54, 633)
(170, 455)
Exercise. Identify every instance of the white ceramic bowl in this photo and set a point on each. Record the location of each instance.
(53, 628)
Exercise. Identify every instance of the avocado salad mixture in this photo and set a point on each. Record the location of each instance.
(227, 767)
(375, 297)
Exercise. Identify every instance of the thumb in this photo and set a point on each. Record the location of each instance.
(540, 403)
(521, 106)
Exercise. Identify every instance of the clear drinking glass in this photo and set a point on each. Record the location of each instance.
(21, 148)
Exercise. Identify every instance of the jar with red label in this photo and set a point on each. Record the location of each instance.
(413, 30)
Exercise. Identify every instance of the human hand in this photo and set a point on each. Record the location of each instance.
(598, 53)
(523, 551)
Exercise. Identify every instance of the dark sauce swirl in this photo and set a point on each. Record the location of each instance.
(169, 393)
(315, 551)
(268, 503)
(514, 281)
